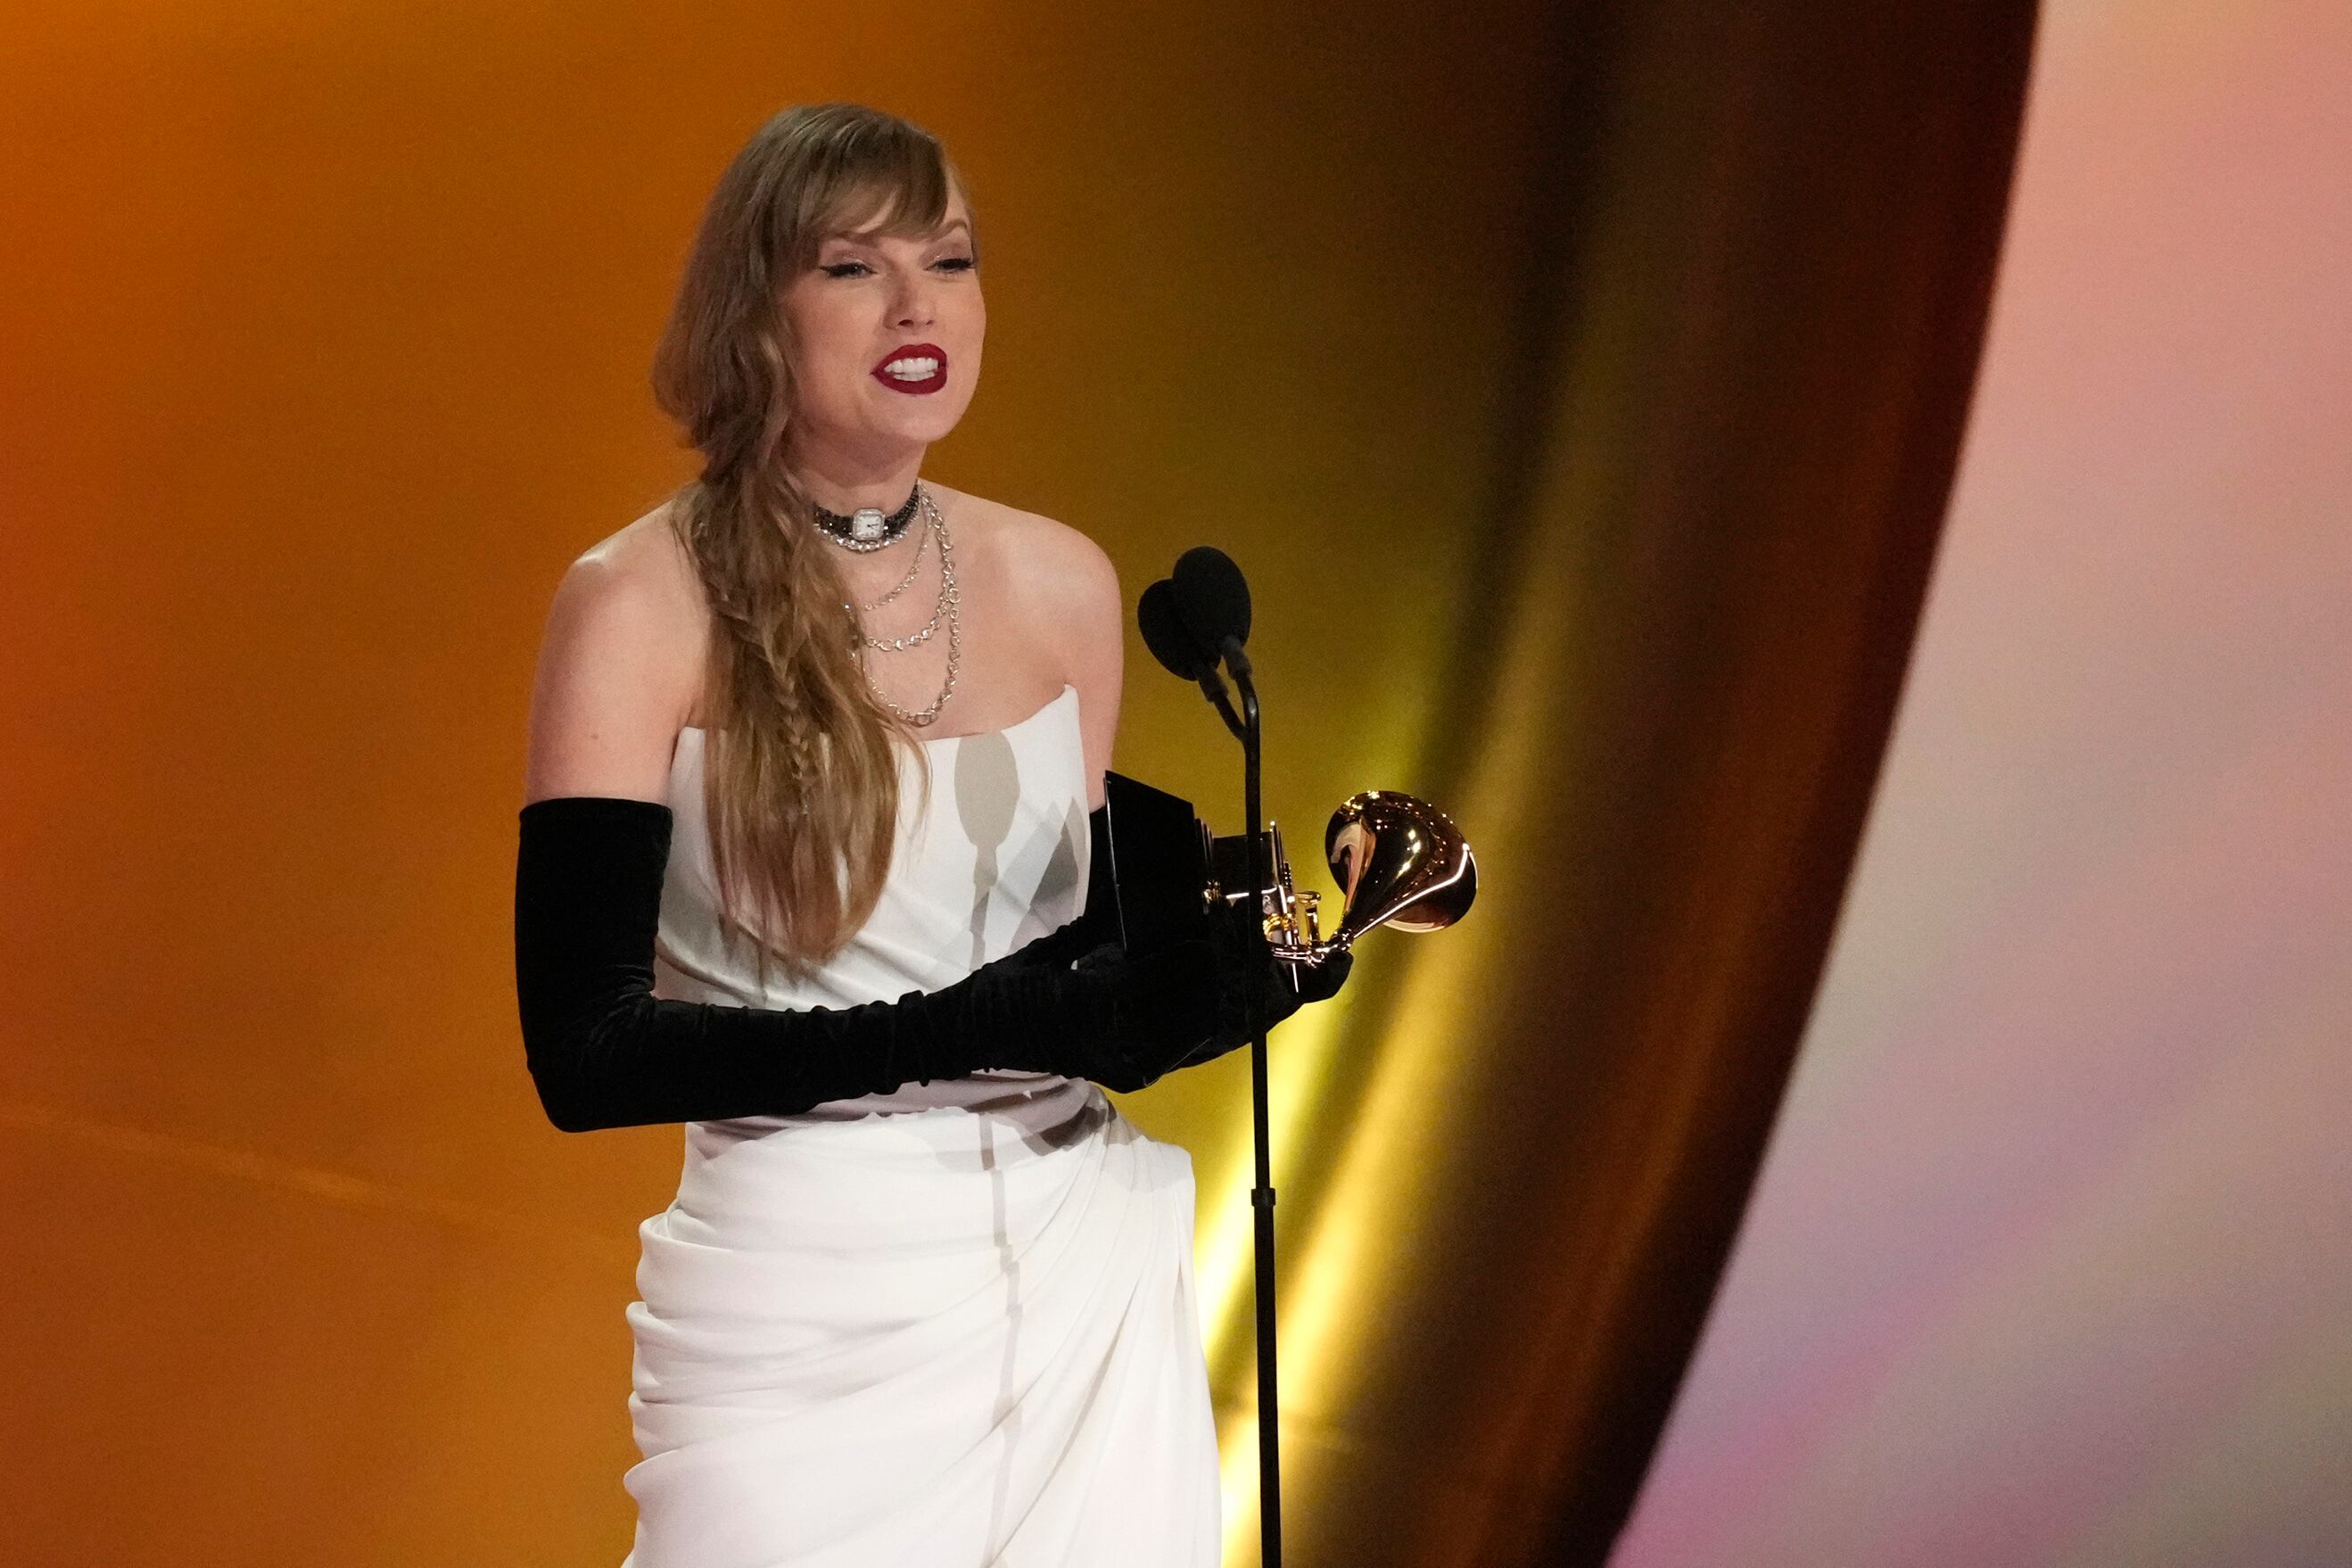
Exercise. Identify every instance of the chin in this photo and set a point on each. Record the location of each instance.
(931, 427)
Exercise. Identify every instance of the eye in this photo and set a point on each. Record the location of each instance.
(958, 263)
(842, 269)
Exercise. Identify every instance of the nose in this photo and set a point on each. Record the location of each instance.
(912, 306)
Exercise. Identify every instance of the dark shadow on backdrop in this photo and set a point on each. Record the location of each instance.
(1765, 247)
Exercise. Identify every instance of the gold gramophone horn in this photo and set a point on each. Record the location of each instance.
(1398, 862)
(1398, 859)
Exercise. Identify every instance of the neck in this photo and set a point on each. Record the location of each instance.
(842, 481)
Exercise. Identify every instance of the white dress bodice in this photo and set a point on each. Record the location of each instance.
(998, 857)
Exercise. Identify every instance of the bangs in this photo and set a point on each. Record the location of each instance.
(887, 181)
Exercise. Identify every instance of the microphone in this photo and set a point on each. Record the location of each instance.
(1166, 635)
(1213, 599)
(1172, 642)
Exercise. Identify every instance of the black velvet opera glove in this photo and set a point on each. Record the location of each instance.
(605, 1052)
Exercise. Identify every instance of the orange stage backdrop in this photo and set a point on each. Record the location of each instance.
(1578, 385)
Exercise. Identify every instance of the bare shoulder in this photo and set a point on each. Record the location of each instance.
(620, 666)
(649, 557)
(1063, 591)
(1055, 569)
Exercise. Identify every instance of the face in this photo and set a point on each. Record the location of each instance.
(871, 301)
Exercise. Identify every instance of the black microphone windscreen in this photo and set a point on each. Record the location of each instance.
(1165, 635)
(1212, 596)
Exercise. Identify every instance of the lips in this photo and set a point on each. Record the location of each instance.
(926, 362)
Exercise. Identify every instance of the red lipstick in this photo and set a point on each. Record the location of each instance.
(936, 377)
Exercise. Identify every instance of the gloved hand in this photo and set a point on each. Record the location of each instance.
(1184, 1005)
(1245, 961)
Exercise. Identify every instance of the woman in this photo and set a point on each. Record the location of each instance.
(814, 750)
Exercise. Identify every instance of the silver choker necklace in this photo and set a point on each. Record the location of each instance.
(868, 528)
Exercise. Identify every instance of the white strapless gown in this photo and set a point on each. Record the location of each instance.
(950, 1326)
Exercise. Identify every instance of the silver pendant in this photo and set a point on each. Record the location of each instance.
(866, 525)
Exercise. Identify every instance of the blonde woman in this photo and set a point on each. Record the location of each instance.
(816, 749)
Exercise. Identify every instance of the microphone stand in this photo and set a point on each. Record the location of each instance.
(1269, 1437)
(1212, 687)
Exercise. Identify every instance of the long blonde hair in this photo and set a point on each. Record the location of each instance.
(801, 777)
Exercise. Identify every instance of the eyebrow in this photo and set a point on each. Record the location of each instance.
(858, 236)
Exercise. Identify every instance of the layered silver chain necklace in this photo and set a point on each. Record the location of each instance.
(946, 609)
